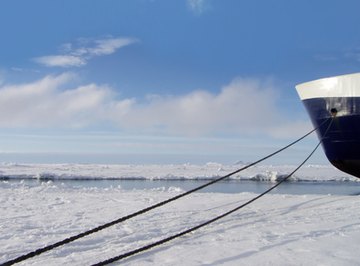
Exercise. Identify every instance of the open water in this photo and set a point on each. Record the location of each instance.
(226, 186)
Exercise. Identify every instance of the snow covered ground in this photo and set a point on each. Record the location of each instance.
(275, 230)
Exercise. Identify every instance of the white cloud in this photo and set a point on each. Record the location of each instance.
(109, 46)
(24, 70)
(45, 103)
(244, 107)
(61, 61)
(79, 54)
(197, 6)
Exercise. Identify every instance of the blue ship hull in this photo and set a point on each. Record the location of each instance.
(342, 141)
(336, 98)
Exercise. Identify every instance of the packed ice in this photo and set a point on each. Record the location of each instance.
(278, 229)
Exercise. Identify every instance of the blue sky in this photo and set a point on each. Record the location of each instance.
(160, 81)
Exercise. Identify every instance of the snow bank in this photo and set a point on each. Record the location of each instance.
(170, 172)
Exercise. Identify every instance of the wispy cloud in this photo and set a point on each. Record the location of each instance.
(348, 54)
(244, 107)
(79, 54)
(353, 54)
(198, 6)
(61, 60)
(326, 57)
(24, 70)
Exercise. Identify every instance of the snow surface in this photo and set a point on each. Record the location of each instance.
(275, 230)
(170, 172)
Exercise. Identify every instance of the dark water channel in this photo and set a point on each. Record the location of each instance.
(227, 186)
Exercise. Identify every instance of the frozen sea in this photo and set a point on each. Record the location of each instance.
(312, 220)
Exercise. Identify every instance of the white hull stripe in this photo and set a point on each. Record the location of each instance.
(338, 86)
